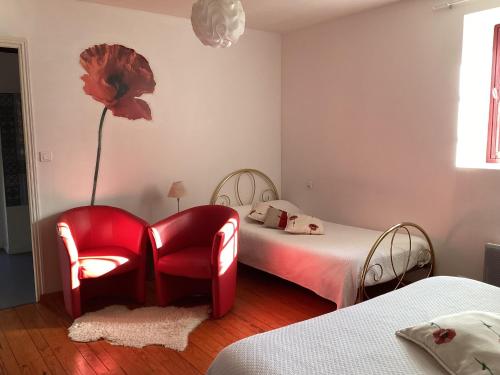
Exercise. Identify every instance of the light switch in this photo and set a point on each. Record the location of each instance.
(45, 156)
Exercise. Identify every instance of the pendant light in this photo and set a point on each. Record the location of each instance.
(218, 23)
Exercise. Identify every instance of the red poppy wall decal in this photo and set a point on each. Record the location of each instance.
(116, 76)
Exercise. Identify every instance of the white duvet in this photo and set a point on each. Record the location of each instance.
(329, 264)
(359, 339)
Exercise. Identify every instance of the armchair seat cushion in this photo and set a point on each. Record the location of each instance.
(106, 261)
(189, 262)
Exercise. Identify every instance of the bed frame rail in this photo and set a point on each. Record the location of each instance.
(425, 260)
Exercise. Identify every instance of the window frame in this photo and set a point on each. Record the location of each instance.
(493, 148)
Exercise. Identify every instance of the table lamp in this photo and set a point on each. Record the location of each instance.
(177, 190)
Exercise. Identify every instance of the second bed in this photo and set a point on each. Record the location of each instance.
(339, 265)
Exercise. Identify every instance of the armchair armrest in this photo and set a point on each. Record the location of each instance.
(170, 234)
(68, 257)
(67, 240)
(130, 232)
(225, 247)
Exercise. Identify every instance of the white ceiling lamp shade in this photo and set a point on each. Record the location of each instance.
(218, 23)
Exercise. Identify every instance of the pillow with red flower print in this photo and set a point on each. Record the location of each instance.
(464, 344)
(304, 224)
(276, 218)
(259, 209)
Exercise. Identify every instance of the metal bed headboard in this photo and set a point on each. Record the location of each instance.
(265, 191)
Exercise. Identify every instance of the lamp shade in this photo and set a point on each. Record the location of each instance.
(218, 23)
(177, 190)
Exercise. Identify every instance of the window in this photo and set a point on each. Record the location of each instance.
(478, 143)
(493, 149)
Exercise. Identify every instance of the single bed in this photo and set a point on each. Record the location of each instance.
(341, 264)
(359, 339)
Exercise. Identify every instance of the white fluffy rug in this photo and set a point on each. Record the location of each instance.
(167, 326)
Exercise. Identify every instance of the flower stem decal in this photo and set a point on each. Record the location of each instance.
(490, 327)
(98, 157)
(484, 366)
(116, 76)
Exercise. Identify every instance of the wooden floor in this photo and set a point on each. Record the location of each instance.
(33, 338)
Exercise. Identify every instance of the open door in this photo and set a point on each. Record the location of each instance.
(20, 256)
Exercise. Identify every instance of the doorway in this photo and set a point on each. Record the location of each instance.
(17, 282)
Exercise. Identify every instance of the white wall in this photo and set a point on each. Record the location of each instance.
(370, 107)
(213, 111)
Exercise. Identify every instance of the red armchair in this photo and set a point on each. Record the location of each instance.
(102, 252)
(195, 252)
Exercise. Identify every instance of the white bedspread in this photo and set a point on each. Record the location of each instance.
(330, 264)
(359, 339)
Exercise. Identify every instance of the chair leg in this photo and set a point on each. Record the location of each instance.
(70, 283)
(72, 300)
(140, 286)
(171, 288)
(224, 292)
(161, 296)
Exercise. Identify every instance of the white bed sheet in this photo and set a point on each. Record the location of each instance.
(359, 339)
(329, 264)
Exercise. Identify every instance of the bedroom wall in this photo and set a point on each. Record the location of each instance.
(370, 107)
(214, 111)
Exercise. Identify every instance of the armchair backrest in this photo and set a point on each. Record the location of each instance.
(196, 226)
(101, 226)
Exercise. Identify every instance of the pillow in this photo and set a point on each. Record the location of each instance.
(285, 206)
(276, 218)
(243, 211)
(303, 224)
(259, 209)
(465, 343)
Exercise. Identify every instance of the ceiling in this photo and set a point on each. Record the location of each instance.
(269, 15)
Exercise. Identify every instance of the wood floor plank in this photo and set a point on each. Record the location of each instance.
(8, 363)
(108, 361)
(34, 323)
(238, 327)
(197, 356)
(210, 333)
(172, 361)
(154, 362)
(56, 336)
(91, 358)
(130, 362)
(282, 312)
(257, 315)
(263, 302)
(304, 300)
(25, 352)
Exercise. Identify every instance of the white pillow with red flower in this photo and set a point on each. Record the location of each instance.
(304, 224)
(464, 344)
(259, 209)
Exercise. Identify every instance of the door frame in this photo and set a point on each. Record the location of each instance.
(31, 161)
